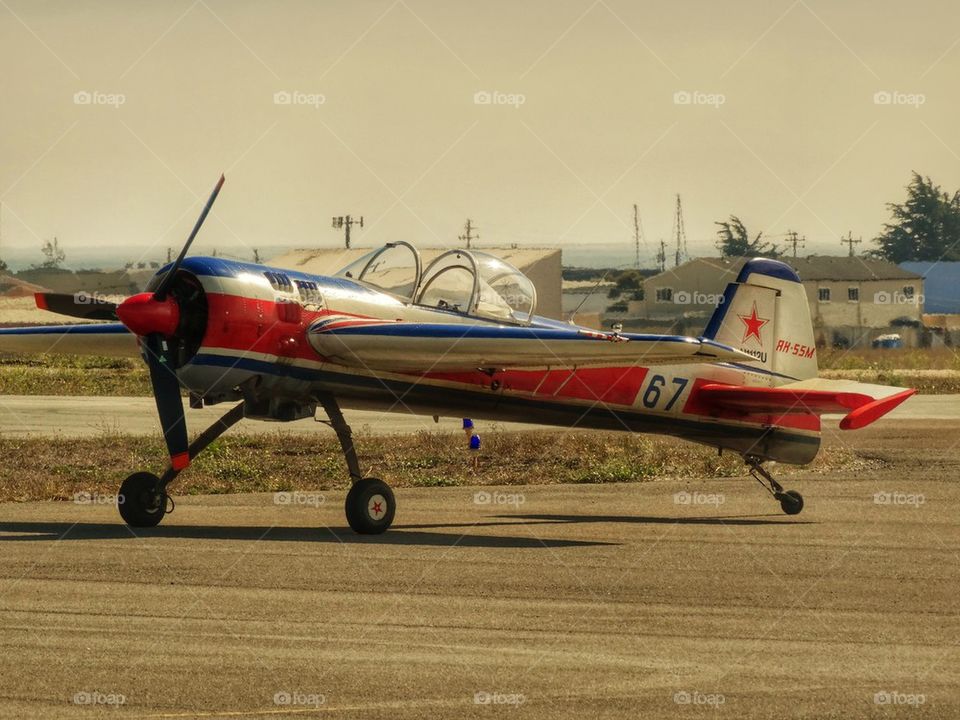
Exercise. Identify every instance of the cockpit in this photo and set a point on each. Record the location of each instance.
(469, 282)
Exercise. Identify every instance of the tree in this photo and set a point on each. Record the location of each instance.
(3, 266)
(925, 227)
(53, 254)
(734, 241)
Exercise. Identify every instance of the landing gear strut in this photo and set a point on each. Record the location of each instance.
(791, 502)
(370, 505)
(143, 498)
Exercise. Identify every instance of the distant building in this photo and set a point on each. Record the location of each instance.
(542, 265)
(852, 299)
(941, 285)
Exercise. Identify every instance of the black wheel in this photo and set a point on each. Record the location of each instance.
(370, 506)
(141, 501)
(791, 502)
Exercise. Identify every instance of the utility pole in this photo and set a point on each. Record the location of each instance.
(637, 236)
(795, 240)
(468, 235)
(848, 240)
(169, 255)
(662, 256)
(256, 256)
(345, 222)
(679, 233)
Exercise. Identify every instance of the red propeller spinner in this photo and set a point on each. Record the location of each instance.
(144, 314)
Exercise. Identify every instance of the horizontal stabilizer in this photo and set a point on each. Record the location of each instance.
(860, 403)
(406, 346)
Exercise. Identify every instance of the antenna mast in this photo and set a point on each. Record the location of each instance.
(679, 233)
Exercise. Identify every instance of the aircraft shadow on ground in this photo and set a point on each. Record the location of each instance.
(399, 535)
(770, 519)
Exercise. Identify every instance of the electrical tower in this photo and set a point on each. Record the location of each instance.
(679, 233)
(850, 242)
(662, 256)
(468, 233)
(346, 222)
(795, 240)
(637, 235)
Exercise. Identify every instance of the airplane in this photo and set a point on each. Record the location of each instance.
(459, 338)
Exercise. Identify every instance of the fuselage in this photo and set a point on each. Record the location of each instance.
(257, 333)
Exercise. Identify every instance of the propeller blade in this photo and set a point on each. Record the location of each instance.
(161, 292)
(79, 305)
(166, 391)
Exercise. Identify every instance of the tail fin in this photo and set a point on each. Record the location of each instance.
(765, 314)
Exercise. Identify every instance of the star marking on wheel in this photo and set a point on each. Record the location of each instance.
(752, 324)
(378, 508)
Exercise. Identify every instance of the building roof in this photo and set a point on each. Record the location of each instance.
(822, 267)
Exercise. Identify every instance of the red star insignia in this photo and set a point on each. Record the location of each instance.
(377, 508)
(752, 324)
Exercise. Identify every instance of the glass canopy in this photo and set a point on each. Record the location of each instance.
(464, 281)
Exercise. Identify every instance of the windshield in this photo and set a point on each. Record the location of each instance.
(394, 268)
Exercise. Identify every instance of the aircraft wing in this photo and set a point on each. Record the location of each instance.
(412, 346)
(108, 339)
(860, 403)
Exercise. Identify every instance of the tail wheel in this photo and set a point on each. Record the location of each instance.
(370, 506)
(141, 501)
(791, 502)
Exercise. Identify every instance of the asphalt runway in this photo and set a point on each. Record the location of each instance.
(25, 415)
(616, 601)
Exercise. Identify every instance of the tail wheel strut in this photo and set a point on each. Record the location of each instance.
(791, 502)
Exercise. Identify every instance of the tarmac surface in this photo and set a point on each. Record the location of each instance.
(581, 601)
(25, 415)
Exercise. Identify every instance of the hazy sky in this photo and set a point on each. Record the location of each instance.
(785, 130)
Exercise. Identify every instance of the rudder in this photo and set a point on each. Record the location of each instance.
(765, 313)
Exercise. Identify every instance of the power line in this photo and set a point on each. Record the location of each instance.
(662, 256)
(795, 240)
(468, 235)
(345, 222)
(850, 242)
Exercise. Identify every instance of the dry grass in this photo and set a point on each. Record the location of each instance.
(52, 468)
(72, 375)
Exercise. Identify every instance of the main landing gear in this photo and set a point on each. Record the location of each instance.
(791, 502)
(370, 504)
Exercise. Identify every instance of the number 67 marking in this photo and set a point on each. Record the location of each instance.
(651, 397)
